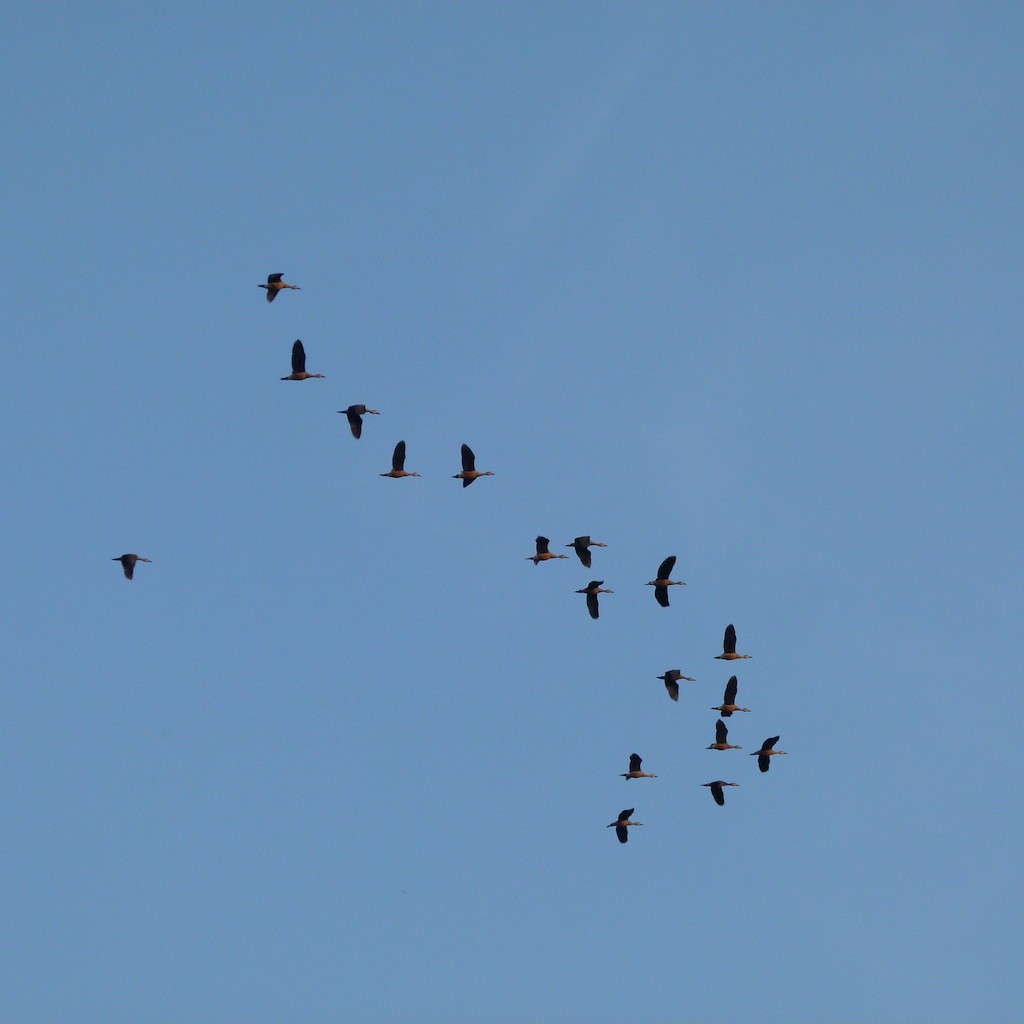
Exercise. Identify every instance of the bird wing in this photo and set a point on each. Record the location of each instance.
(271, 294)
(666, 567)
(730, 691)
(716, 792)
(355, 422)
(468, 459)
(769, 744)
(298, 357)
(627, 814)
(542, 546)
(661, 596)
(274, 278)
(128, 564)
(467, 480)
(729, 643)
(592, 605)
(721, 731)
(673, 688)
(634, 762)
(580, 544)
(763, 762)
(622, 832)
(398, 459)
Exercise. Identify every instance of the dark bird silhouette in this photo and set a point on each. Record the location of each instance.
(620, 824)
(128, 563)
(767, 752)
(469, 471)
(543, 554)
(299, 364)
(398, 463)
(721, 735)
(729, 705)
(592, 589)
(634, 769)
(275, 284)
(582, 546)
(671, 680)
(729, 646)
(716, 790)
(355, 414)
(662, 583)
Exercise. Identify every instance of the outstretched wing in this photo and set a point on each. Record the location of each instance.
(665, 569)
(622, 832)
(729, 644)
(634, 762)
(580, 544)
(468, 459)
(769, 744)
(716, 792)
(298, 357)
(398, 459)
(355, 422)
(542, 546)
(592, 605)
(661, 596)
(672, 686)
(730, 691)
(721, 731)
(763, 762)
(274, 278)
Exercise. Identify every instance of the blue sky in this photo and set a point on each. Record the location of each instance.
(731, 282)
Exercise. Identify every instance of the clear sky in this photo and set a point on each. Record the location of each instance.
(735, 282)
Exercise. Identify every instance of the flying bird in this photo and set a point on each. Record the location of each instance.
(275, 284)
(582, 546)
(721, 735)
(634, 769)
(621, 823)
(729, 705)
(398, 463)
(729, 646)
(592, 589)
(469, 471)
(662, 583)
(543, 554)
(671, 679)
(767, 752)
(128, 563)
(355, 414)
(299, 364)
(716, 790)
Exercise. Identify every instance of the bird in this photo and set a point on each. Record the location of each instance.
(398, 463)
(671, 679)
(728, 705)
(634, 769)
(621, 823)
(355, 414)
(582, 546)
(299, 364)
(543, 555)
(128, 563)
(721, 732)
(592, 589)
(729, 646)
(275, 284)
(662, 583)
(469, 471)
(766, 752)
(716, 790)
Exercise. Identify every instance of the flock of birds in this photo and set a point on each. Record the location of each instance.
(582, 545)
